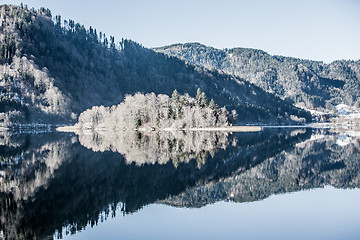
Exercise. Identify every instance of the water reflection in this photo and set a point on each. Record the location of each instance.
(54, 180)
(157, 147)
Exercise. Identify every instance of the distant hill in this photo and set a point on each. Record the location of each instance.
(310, 84)
(51, 70)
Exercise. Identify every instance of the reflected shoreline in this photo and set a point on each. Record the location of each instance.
(50, 181)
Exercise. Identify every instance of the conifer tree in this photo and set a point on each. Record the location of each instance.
(212, 105)
(201, 98)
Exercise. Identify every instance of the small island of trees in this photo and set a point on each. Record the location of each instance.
(144, 128)
(157, 112)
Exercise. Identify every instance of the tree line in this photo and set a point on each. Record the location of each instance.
(157, 112)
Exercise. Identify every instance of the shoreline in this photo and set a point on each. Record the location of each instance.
(224, 129)
(243, 128)
(67, 129)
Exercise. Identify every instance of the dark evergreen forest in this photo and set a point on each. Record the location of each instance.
(58, 68)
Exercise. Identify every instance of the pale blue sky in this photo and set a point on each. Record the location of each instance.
(314, 29)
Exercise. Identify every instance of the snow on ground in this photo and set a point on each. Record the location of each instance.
(343, 140)
(350, 111)
(343, 114)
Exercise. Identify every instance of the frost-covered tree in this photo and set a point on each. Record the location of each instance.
(154, 112)
(201, 98)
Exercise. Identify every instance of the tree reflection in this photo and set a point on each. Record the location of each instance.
(57, 183)
(157, 147)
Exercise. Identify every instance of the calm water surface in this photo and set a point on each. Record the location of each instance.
(316, 214)
(275, 184)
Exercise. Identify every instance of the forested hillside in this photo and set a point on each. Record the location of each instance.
(310, 84)
(51, 70)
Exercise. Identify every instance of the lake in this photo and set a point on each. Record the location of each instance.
(280, 183)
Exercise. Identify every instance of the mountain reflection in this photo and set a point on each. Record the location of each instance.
(52, 181)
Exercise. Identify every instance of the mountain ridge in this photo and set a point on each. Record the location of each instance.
(199, 44)
(57, 69)
(307, 83)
